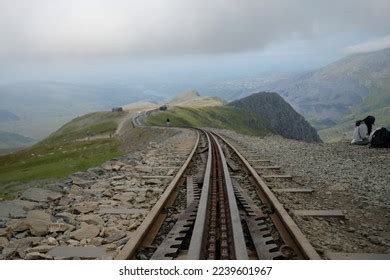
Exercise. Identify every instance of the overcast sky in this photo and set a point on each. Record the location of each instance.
(49, 36)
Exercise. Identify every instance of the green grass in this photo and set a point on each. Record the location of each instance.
(217, 117)
(54, 161)
(87, 125)
(62, 153)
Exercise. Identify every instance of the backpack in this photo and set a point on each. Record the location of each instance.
(380, 138)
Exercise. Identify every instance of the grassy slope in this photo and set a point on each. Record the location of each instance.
(61, 154)
(217, 117)
(377, 104)
(91, 124)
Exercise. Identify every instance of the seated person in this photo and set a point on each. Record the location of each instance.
(363, 130)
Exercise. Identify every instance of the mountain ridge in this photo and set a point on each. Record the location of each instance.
(279, 116)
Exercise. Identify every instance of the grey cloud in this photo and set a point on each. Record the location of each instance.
(373, 45)
(67, 28)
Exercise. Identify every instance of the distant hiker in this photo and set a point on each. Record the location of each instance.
(363, 130)
(168, 122)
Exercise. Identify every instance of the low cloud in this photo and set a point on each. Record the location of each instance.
(74, 28)
(370, 46)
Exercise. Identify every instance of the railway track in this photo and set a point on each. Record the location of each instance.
(221, 219)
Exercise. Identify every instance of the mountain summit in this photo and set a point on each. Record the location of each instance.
(185, 96)
(278, 115)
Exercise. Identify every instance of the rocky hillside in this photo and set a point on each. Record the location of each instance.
(278, 115)
(356, 84)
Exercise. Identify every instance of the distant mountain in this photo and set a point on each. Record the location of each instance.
(193, 99)
(278, 115)
(234, 89)
(358, 83)
(12, 140)
(44, 106)
(185, 96)
(6, 115)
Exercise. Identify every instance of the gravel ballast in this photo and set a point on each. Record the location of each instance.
(354, 179)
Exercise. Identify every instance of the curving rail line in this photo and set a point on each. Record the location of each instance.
(224, 222)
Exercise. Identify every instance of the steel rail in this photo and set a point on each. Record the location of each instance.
(197, 242)
(301, 242)
(130, 249)
(197, 249)
(239, 245)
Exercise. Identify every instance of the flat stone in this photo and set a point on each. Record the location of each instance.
(38, 222)
(3, 222)
(171, 172)
(39, 215)
(18, 225)
(21, 235)
(117, 183)
(156, 177)
(81, 182)
(75, 190)
(3, 242)
(124, 197)
(92, 219)
(85, 208)
(86, 231)
(116, 167)
(376, 240)
(19, 247)
(153, 182)
(6, 232)
(37, 256)
(144, 169)
(52, 241)
(140, 199)
(96, 170)
(107, 166)
(73, 242)
(39, 227)
(10, 209)
(9, 251)
(40, 195)
(39, 249)
(26, 205)
(77, 252)
(66, 216)
(122, 211)
(117, 178)
(58, 227)
(28, 241)
(113, 234)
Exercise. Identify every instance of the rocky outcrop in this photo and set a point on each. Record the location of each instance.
(278, 116)
(93, 213)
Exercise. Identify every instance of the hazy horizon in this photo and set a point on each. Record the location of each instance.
(180, 42)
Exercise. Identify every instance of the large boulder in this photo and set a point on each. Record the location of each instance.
(39, 222)
(92, 219)
(10, 209)
(40, 195)
(86, 231)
